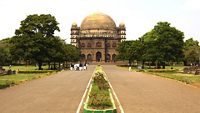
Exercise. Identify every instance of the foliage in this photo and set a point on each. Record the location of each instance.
(191, 51)
(99, 97)
(124, 49)
(35, 41)
(163, 44)
(34, 37)
(5, 56)
(100, 81)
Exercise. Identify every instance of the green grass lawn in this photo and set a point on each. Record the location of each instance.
(24, 68)
(26, 73)
(187, 78)
(175, 74)
(10, 80)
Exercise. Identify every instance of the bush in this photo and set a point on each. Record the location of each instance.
(99, 97)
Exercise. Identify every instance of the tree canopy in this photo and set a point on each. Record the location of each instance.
(191, 51)
(35, 41)
(5, 56)
(162, 44)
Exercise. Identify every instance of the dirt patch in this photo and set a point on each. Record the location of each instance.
(196, 84)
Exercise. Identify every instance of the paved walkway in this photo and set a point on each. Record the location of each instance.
(60, 93)
(143, 93)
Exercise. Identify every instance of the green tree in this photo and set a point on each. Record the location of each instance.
(163, 44)
(124, 51)
(191, 51)
(5, 56)
(72, 53)
(32, 38)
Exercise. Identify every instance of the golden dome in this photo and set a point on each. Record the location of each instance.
(98, 21)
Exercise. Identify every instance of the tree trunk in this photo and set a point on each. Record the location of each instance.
(49, 65)
(59, 65)
(149, 65)
(39, 65)
(142, 64)
(163, 65)
(185, 63)
(54, 65)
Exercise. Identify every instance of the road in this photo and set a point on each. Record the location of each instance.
(144, 93)
(60, 93)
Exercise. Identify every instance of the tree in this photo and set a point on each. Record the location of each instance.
(130, 50)
(163, 44)
(72, 53)
(191, 51)
(124, 51)
(5, 56)
(32, 38)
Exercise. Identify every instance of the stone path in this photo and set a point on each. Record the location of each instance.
(60, 93)
(143, 93)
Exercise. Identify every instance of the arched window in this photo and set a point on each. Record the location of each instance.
(82, 44)
(114, 44)
(98, 44)
(89, 45)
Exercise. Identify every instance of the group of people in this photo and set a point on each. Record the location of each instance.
(78, 67)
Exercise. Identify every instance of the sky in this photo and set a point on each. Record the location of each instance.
(139, 16)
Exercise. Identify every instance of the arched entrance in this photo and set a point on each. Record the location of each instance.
(82, 57)
(114, 57)
(108, 57)
(98, 56)
(89, 57)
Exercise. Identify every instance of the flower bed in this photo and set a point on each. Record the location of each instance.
(99, 99)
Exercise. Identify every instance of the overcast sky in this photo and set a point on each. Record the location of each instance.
(139, 16)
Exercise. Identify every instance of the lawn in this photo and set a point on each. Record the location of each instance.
(24, 68)
(187, 78)
(26, 73)
(176, 73)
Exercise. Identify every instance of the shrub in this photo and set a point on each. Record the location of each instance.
(99, 97)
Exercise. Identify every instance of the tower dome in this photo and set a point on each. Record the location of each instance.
(98, 21)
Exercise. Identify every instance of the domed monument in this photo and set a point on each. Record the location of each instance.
(97, 37)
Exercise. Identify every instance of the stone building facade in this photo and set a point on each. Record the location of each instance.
(98, 37)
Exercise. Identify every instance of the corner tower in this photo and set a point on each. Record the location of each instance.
(74, 34)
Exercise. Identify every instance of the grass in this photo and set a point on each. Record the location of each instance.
(24, 68)
(26, 73)
(10, 80)
(175, 73)
(186, 78)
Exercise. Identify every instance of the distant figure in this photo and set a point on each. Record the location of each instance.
(129, 66)
(10, 67)
(85, 66)
(80, 67)
(71, 66)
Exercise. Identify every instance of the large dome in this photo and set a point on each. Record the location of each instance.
(98, 21)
